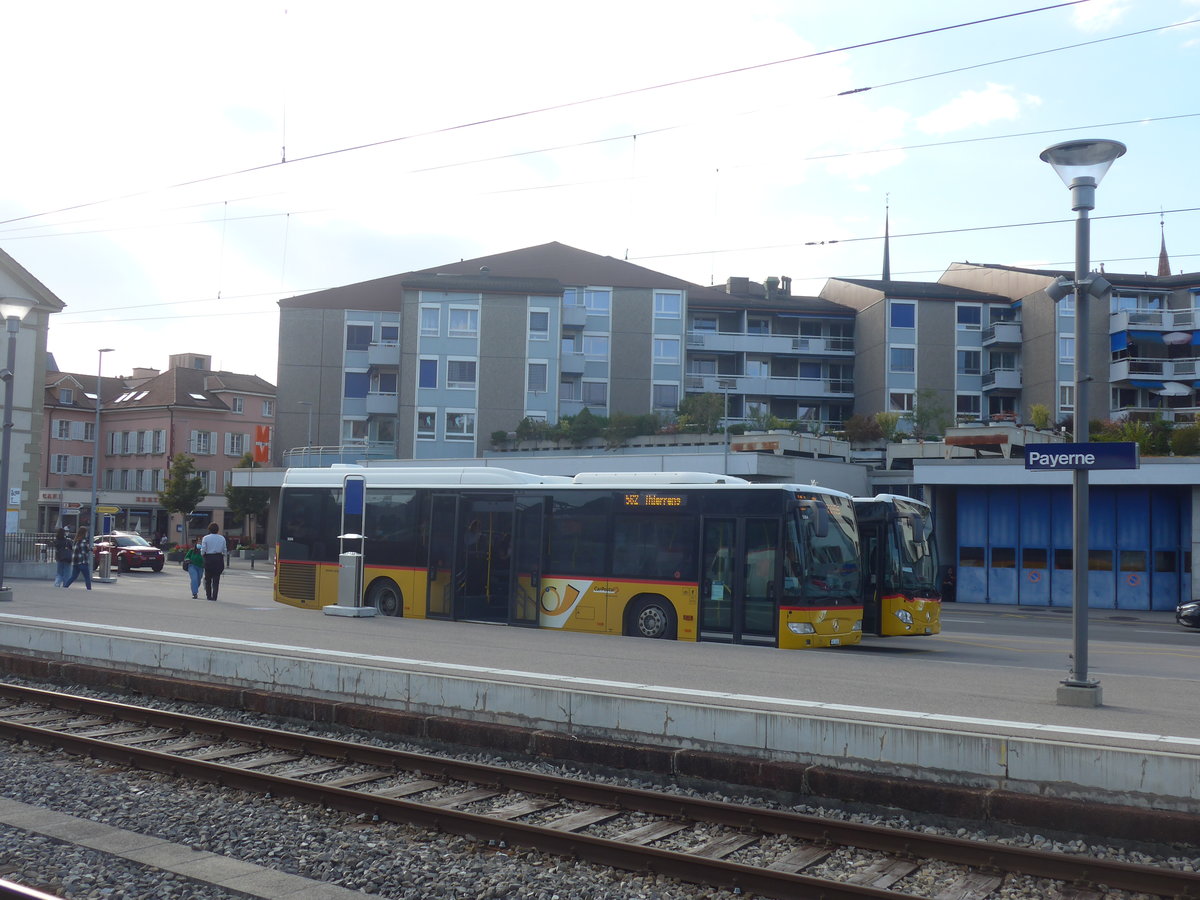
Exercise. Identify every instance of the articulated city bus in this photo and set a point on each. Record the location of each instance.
(686, 556)
(899, 565)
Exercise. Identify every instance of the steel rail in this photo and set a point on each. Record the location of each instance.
(905, 843)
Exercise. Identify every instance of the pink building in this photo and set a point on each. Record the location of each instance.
(145, 419)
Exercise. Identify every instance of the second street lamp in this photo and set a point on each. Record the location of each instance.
(1081, 165)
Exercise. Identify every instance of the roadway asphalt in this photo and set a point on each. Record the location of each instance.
(993, 669)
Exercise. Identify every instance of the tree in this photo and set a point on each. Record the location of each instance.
(248, 502)
(703, 410)
(928, 415)
(183, 491)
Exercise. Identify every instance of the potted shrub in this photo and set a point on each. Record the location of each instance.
(252, 551)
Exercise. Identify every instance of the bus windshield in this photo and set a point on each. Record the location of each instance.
(832, 571)
(916, 556)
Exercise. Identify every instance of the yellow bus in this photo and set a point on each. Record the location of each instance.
(899, 566)
(686, 556)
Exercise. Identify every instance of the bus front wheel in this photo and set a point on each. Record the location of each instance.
(652, 617)
(385, 597)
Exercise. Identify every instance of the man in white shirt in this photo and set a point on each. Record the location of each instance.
(213, 548)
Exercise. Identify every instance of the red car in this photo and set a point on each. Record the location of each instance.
(131, 551)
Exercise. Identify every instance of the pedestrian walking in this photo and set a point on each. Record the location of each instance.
(193, 561)
(81, 559)
(62, 557)
(214, 548)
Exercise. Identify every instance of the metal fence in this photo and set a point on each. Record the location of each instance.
(24, 546)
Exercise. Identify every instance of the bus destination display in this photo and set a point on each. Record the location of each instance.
(654, 500)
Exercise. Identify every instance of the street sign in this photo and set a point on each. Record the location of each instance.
(108, 510)
(1052, 457)
(72, 505)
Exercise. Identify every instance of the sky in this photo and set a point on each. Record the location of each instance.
(171, 171)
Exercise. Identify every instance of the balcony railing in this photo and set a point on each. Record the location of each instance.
(1002, 333)
(1002, 380)
(771, 387)
(1153, 367)
(1165, 319)
(745, 342)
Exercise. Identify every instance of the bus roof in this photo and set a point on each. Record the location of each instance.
(455, 476)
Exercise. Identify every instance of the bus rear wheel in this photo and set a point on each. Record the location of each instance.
(652, 617)
(386, 597)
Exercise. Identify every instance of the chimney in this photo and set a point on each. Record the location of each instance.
(737, 285)
(772, 284)
(785, 285)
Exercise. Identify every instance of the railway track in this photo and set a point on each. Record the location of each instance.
(761, 852)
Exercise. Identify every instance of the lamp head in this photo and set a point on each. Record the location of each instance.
(1074, 160)
(1062, 286)
(15, 307)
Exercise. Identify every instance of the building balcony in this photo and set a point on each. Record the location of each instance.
(741, 342)
(571, 364)
(381, 404)
(818, 388)
(384, 354)
(1154, 320)
(1002, 380)
(1153, 369)
(1002, 333)
(574, 316)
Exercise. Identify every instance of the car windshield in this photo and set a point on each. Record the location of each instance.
(131, 540)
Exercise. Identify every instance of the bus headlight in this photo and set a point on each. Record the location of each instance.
(857, 625)
(904, 616)
(801, 628)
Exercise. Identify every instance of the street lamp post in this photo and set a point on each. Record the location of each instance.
(308, 440)
(726, 385)
(96, 452)
(1081, 165)
(13, 310)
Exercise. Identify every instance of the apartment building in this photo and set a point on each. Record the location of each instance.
(428, 364)
(145, 419)
(773, 354)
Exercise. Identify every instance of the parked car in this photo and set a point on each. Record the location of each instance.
(1188, 614)
(130, 551)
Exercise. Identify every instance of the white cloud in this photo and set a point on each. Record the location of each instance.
(1098, 15)
(971, 108)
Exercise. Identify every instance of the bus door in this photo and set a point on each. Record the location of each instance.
(529, 555)
(872, 551)
(483, 561)
(738, 600)
(443, 518)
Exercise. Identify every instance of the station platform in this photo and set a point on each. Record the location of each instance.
(920, 709)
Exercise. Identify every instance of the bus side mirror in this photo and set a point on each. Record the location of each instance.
(816, 515)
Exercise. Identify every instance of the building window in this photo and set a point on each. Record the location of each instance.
(900, 401)
(595, 346)
(571, 298)
(463, 322)
(427, 373)
(704, 323)
(1066, 306)
(389, 334)
(666, 350)
(358, 384)
(597, 301)
(431, 321)
(595, 393)
(539, 325)
(202, 442)
(758, 326)
(903, 315)
(1066, 397)
(460, 426)
(537, 375)
(237, 405)
(358, 337)
(1066, 349)
(758, 368)
(89, 465)
(426, 425)
(460, 374)
(903, 359)
(570, 389)
(665, 396)
(703, 366)
(62, 429)
(61, 463)
(235, 444)
(969, 362)
(66, 396)
(268, 408)
(160, 441)
(667, 305)
(385, 383)
(969, 318)
(968, 406)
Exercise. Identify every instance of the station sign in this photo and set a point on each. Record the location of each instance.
(108, 510)
(1106, 455)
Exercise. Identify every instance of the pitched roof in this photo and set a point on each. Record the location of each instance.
(924, 290)
(1116, 279)
(543, 269)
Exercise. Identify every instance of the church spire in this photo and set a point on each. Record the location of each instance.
(1164, 264)
(887, 256)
